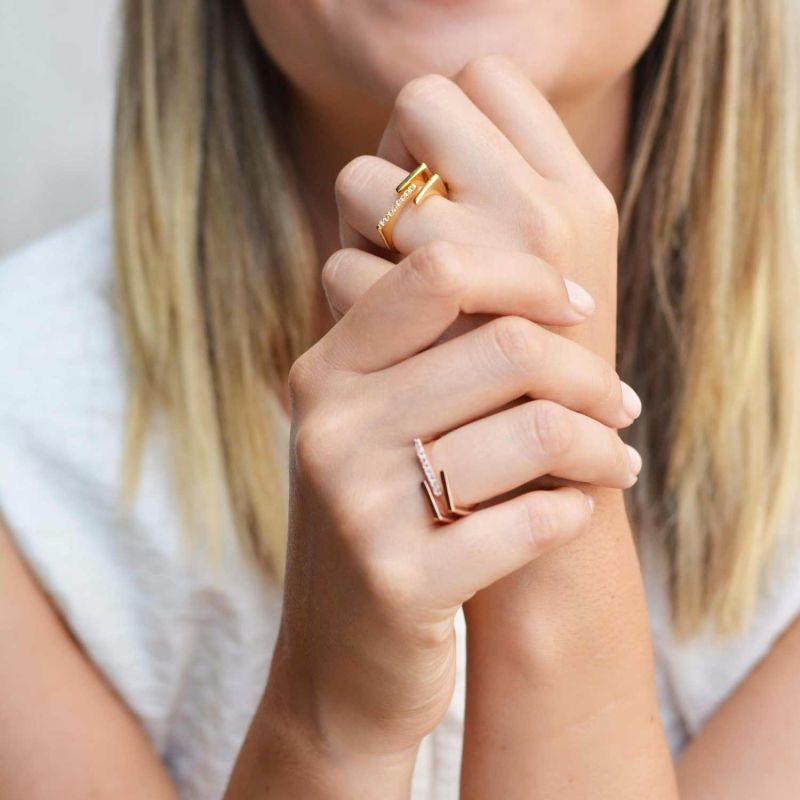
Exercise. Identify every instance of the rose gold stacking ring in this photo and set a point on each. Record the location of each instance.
(417, 185)
(434, 490)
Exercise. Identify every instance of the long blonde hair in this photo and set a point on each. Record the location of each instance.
(216, 272)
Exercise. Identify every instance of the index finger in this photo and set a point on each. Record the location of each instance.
(508, 98)
(499, 87)
(433, 120)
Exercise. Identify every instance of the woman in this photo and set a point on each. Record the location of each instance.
(472, 340)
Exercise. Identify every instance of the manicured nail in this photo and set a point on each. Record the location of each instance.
(630, 401)
(579, 298)
(635, 459)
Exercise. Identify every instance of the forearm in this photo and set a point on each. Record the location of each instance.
(561, 699)
(285, 757)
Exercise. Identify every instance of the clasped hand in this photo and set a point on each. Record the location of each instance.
(490, 336)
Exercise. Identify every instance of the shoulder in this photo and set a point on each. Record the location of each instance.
(148, 610)
(698, 673)
(57, 265)
(57, 328)
(63, 396)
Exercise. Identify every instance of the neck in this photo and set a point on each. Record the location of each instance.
(599, 126)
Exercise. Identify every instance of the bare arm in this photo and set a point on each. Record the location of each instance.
(751, 746)
(364, 665)
(283, 756)
(563, 720)
(63, 731)
(561, 697)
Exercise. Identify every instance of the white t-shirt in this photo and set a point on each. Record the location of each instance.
(186, 646)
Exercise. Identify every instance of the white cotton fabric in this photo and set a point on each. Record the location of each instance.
(187, 647)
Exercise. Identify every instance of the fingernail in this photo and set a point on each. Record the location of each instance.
(579, 298)
(635, 459)
(590, 501)
(630, 401)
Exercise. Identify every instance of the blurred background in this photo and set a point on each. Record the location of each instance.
(56, 95)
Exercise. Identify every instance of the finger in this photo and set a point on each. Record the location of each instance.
(365, 191)
(409, 306)
(508, 97)
(501, 452)
(434, 121)
(412, 304)
(348, 274)
(484, 369)
(480, 549)
(352, 179)
(350, 237)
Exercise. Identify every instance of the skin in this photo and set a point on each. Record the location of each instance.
(560, 687)
(531, 218)
(345, 77)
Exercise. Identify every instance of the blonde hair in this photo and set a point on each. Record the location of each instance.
(709, 288)
(213, 256)
(216, 273)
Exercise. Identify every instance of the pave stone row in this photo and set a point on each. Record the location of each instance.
(427, 469)
(397, 203)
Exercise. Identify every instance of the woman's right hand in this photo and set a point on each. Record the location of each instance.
(365, 659)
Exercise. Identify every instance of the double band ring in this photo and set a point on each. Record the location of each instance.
(417, 185)
(436, 488)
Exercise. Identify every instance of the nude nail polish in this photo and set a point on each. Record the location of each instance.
(631, 401)
(635, 459)
(579, 298)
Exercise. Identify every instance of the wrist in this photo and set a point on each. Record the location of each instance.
(580, 601)
(296, 754)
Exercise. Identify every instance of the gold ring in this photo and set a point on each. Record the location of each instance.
(434, 489)
(417, 185)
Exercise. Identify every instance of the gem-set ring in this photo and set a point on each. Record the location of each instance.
(435, 489)
(420, 183)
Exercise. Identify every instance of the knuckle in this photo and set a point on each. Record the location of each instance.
(330, 267)
(315, 441)
(516, 340)
(389, 584)
(301, 377)
(438, 265)
(603, 204)
(577, 513)
(395, 588)
(609, 390)
(541, 524)
(483, 66)
(551, 235)
(354, 175)
(524, 188)
(549, 428)
(419, 92)
(352, 511)
(608, 463)
(623, 460)
(553, 284)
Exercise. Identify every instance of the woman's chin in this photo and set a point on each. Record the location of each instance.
(445, 49)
